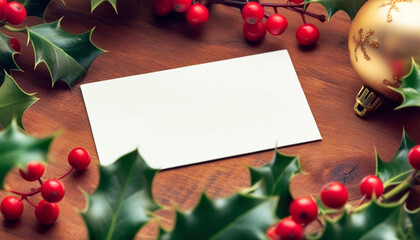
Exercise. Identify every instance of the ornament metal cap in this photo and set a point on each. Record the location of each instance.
(366, 101)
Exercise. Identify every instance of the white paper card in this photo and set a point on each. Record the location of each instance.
(202, 112)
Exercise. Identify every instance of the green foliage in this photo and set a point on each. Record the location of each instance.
(123, 200)
(376, 221)
(247, 214)
(17, 149)
(13, 102)
(96, 3)
(410, 88)
(275, 178)
(351, 7)
(7, 61)
(237, 217)
(67, 56)
(398, 168)
(413, 223)
(35, 7)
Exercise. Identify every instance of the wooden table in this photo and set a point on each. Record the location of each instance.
(140, 43)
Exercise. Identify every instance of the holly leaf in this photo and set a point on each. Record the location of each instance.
(376, 221)
(96, 3)
(410, 88)
(67, 56)
(121, 204)
(332, 6)
(18, 148)
(413, 218)
(35, 7)
(398, 168)
(241, 217)
(7, 60)
(274, 179)
(13, 102)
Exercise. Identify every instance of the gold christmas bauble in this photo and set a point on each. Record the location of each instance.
(383, 39)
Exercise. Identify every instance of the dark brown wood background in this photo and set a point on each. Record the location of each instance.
(139, 43)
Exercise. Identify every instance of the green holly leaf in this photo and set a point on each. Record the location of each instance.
(332, 6)
(398, 168)
(121, 204)
(67, 56)
(13, 102)
(35, 7)
(7, 60)
(413, 225)
(241, 217)
(96, 3)
(274, 179)
(374, 222)
(18, 148)
(410, 88)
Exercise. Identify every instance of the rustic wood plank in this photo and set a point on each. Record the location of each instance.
(139, 43)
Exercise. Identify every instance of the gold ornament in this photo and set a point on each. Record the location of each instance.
(384, 37)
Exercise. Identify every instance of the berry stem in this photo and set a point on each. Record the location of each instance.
(24, 195)
(67, 173)
(12, 29)
(296, 8)
(320, 222)
(40, 181)
(362, 200)
(407, 183)
(31, 203)
(299, 8)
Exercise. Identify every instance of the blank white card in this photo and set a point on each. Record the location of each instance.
(199, 113)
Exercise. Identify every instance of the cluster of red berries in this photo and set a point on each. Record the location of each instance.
(52, 190)
(254, 28)
(304, 210)
(334, 195)
(195, 14)
(13, 12)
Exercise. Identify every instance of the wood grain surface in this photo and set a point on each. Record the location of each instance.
(139, 43)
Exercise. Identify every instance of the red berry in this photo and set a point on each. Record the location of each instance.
(307, 34)
(276, 24)
(252, 13)
(254, 32)
(3, 4)
(371, 184)
(398, 68)
(197, 14)
(271, 233)
(298, 1)
(334, 195)
(46, 212)
(15, 44)
(34, 171)
(162, 7)
(15, 13)
(52, 190)
(11, 208)
(414, 157)
(288, 229)
(181, 5)
(79, 159)
(303, 210)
